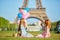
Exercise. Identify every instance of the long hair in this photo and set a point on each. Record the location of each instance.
(22, 22)
(47, 22)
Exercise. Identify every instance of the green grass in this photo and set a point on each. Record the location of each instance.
(7, 35)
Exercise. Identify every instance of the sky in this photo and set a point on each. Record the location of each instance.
(9, 8)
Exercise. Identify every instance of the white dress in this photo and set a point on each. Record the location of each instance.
(24, 33)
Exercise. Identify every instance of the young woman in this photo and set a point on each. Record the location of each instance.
(48, 26)
(46, 32)
(24, 33)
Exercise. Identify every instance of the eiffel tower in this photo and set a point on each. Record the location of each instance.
(38, 12)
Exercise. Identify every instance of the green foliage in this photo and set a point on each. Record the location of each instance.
(13, 26)
(54, 25)
(4, 22)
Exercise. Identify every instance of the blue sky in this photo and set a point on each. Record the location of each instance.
(9, 8)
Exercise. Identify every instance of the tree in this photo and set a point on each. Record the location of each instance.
(4, 23)
(13, 26)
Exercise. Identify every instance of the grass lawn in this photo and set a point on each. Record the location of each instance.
(7, 35)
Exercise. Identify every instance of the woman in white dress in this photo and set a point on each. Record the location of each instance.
(24, 33)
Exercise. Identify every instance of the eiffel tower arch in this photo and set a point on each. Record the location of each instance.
(39, 12)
